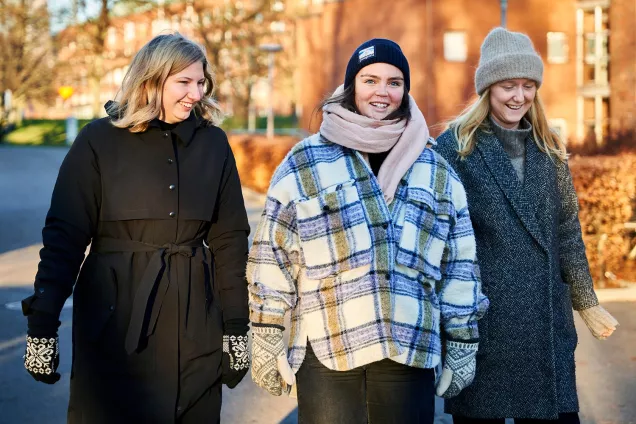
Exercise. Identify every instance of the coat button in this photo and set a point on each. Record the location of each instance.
(170, 160)
(172, 186)
(172, 214)
(179, 409)
(165, 134)
(385, 225)
(111, 308)
(41, 290)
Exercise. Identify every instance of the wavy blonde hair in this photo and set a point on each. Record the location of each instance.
(139, 100)
(475, 117)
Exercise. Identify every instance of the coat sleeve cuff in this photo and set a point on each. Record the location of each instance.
(39, 303)
(583, 299)
(462, 329)
(236, 326)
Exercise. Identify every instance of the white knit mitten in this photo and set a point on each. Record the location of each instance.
(270, 368)
(600, 323)
(459, 368)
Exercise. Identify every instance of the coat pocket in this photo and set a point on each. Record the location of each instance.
(427, 221)
(333, 232)
(94, 298)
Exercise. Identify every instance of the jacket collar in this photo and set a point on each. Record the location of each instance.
(184, 130)
(521, 197)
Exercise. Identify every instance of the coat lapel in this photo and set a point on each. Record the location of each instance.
(504, 174)
(539, 168)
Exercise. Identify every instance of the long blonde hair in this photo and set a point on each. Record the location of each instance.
(475, 117)
(140, 97)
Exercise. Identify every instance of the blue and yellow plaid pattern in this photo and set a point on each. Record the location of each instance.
(364, 280)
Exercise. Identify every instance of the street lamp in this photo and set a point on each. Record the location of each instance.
(504, 10)
(270, 48)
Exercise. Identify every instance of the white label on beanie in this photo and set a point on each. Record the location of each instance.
(364, 53)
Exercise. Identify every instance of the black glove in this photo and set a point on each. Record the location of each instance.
(236, 360)
(42, 355)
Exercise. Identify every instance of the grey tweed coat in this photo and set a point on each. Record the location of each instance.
(534, 271)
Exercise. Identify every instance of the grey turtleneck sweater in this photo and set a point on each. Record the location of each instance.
(514, 144)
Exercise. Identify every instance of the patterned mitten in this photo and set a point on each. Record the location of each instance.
(459, 368)
(42, 357)
(270, 368)
(600, 323)
(236, 360)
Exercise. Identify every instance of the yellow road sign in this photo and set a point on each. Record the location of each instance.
(65, 91)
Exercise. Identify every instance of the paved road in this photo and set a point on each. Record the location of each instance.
(606, 371)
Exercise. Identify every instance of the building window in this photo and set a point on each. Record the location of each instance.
(111, 37)
(560, 126)
(118, 76)
(557, 47)
(129, 31)
(176, 21)
(455, 48)
(590, 47)
(277, 27)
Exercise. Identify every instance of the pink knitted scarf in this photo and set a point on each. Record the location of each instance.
(358, 132)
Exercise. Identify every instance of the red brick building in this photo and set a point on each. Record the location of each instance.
(588, 48)
(129, 30)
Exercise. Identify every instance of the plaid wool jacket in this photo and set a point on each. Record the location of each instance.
(364, 280)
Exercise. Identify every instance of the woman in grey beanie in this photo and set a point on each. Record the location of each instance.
(531, 255)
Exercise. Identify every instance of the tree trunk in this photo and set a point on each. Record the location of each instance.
(95, 86)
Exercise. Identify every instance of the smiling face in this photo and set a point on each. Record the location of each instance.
(510, 100)
(181, 92)
(379, 89)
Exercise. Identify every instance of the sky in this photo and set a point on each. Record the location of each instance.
(58, 5)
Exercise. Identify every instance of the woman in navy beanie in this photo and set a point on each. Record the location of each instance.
(366, 241)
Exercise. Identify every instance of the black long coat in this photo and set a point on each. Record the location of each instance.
(533, 269)
(151, 298)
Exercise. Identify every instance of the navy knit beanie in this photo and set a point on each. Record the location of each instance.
(377, 50)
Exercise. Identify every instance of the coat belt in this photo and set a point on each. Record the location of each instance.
(153, 278)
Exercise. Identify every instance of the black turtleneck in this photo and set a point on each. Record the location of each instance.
(376, 160)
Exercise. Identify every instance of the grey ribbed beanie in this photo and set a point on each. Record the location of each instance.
(507, 55)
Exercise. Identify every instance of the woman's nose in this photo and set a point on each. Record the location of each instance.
(381, 90)
(195, 93)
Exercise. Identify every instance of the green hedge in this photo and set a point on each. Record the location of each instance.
(47, 132)
(53, 132)
(234, 123)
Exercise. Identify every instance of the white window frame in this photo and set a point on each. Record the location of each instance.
(129, 31)
(560, 125)
(555, 57)
(455, 46)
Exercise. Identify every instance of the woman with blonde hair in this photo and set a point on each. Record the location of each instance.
(531, 255)
(160, 304)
